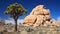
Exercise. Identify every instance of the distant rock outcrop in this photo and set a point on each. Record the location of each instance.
(39, 16)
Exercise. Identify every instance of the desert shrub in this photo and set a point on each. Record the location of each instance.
(30, 30)
(1, 32)
(5, 31)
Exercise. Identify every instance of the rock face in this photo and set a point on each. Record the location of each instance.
(58, 23)
(39, 16)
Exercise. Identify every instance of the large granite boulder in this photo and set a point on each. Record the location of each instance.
(39, 16)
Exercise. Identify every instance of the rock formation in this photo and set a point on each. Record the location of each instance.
(58, 23)
(39, 16)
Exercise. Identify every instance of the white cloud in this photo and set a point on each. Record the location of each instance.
(58, 18)
(12, 21)
(20, 21)
(9, 21)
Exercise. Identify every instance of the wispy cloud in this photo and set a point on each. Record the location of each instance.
(12, 21)
(58, 18)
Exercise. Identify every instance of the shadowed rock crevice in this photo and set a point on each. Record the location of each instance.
(35, 21)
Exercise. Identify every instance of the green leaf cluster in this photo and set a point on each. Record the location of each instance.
(15, 10)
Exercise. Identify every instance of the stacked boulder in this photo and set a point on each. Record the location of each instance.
(39, 16)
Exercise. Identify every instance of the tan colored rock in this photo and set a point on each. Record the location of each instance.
(26, 20)
(30, 19)
(38, 13)
(40, 7)
(47, 16)
(39, 20)
(47, 22)
(38, 10)
(46, 11)
(38, 16)
(53, 22)
(58, 23)
(26, 25)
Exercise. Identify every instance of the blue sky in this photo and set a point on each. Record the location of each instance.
(53, 5)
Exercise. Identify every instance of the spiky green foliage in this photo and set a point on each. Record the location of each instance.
(15, 10)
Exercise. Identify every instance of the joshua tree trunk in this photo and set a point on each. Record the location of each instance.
(15, 24)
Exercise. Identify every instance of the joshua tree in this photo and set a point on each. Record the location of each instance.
(15, 10)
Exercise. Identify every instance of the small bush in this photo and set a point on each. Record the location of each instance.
(29, 30)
